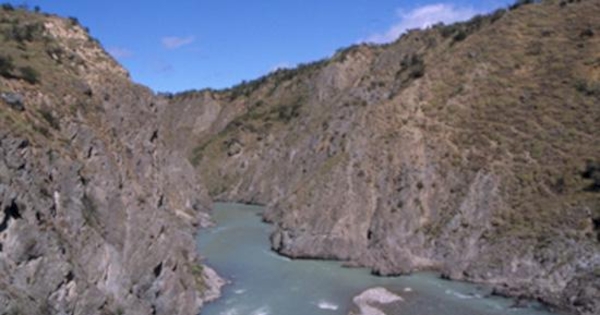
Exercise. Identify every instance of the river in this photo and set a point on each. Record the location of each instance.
(264, 283)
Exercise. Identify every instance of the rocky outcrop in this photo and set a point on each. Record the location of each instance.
(471, 149)
(467, 149)
(97, 215)
(370, 301)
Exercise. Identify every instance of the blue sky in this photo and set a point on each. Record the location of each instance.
(180, 45)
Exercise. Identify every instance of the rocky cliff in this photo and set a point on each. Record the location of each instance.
(471, 149)
(96, 214)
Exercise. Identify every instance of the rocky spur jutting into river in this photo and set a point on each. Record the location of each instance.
(470, 150)
(263, 283)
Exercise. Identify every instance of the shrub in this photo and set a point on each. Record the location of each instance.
(6, 66)
(29, 74)
(587, 88)
(415, 64)
(418, 71)
(587, 33)
(460, 31)
(497, 15)
(7, 7)
(475, 22)
(448, 31)
(74, 21)
(42, 130)
(592, 172)
(26, 32)
(286, 113)
(520, 3)
(460, 36)
(50, 119)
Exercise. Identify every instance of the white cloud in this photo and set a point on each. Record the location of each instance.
(174, 42)
(120, 53)
(423, 17)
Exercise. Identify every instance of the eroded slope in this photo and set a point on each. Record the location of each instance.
(96, 216)
(472, 149)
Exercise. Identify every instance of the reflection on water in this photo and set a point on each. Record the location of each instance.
(263, 282)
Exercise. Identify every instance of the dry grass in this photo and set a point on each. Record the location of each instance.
(515, 92)
(35, 66)
(522, 88)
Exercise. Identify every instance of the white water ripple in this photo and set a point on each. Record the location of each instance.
(326, 305)
(463, 296)
(232, 311)
(265, 310)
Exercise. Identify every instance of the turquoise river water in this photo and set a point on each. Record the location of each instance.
(264, 283)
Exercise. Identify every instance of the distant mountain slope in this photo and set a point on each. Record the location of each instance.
(96, 216)
(473, 149)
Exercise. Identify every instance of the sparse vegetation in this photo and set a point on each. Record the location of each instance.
(29, 74)
(7, 7)
(520, 107)
(460, 36)
(198, 273)
(6, 66)
(411, 67)
(459, 31)
(497, 15)
(288, 112)
(592, 173)
(74, 21)
(587, 33)
(42, 130)
(246, 88)
(588, 88)
(447, 31)
(26, 32)
(90, 211)
(520, 3)
(55, 52)
(516, 109)
(48, 117)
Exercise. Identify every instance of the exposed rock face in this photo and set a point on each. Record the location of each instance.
(471, 149)
(467, 149)
(96, 214)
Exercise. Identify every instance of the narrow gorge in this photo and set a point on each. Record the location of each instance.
(471, 150)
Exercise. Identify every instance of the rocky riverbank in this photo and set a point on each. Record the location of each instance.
(370, 301)
(469, 149)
